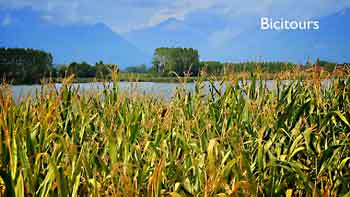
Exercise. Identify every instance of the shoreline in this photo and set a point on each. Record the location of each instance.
(135, 77)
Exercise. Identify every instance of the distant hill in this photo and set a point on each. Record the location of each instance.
(331, 42)
(170, 33)
(27, 29)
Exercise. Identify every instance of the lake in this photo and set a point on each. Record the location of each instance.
(163, 90)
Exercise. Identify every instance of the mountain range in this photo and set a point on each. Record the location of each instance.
(94, 42)
(67, 43)
(330, 42)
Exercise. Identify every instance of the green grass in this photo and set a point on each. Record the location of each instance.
(244, 140)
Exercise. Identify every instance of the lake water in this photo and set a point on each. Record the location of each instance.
(164, 90)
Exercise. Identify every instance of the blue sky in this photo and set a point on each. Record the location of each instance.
(224, 30)
(127, 15)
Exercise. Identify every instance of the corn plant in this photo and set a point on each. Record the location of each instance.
(238, 138)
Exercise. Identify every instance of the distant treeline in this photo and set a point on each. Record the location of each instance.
(218, 68)
(24, 65)
(84, 70)
(29, 66)
(20, 65)
(186, 61)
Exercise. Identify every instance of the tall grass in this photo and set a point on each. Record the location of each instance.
(240, 139)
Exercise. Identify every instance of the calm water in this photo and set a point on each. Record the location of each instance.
(163, 90)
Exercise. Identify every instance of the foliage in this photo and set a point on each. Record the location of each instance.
(81, 70)
(85, 70)
(329, 66)
(212, 67)
(103, 70)
(240, 138)
(29, 66)
(137, 69)
(179, 60)
(218, 68)
(24, 65)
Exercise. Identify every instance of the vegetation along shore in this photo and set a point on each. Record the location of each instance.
(29, 66)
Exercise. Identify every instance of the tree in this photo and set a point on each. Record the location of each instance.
(81, 70)
(179, 60)
(137, 69)
(212, 67)
(62, 71)
(329, 66)
(25, 65)
(102, 70)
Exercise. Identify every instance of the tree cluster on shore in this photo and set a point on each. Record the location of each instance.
(186, 61)
(179, 60)
(84, 70)
(25, 65)
(21, 65)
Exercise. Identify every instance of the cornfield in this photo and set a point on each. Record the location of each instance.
(238, 139)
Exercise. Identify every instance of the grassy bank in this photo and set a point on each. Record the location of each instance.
(247, 140)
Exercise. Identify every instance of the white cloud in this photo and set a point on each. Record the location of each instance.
(178, 10)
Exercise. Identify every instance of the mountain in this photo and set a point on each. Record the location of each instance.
(169, 33)
(25, 28)
(330, 42)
